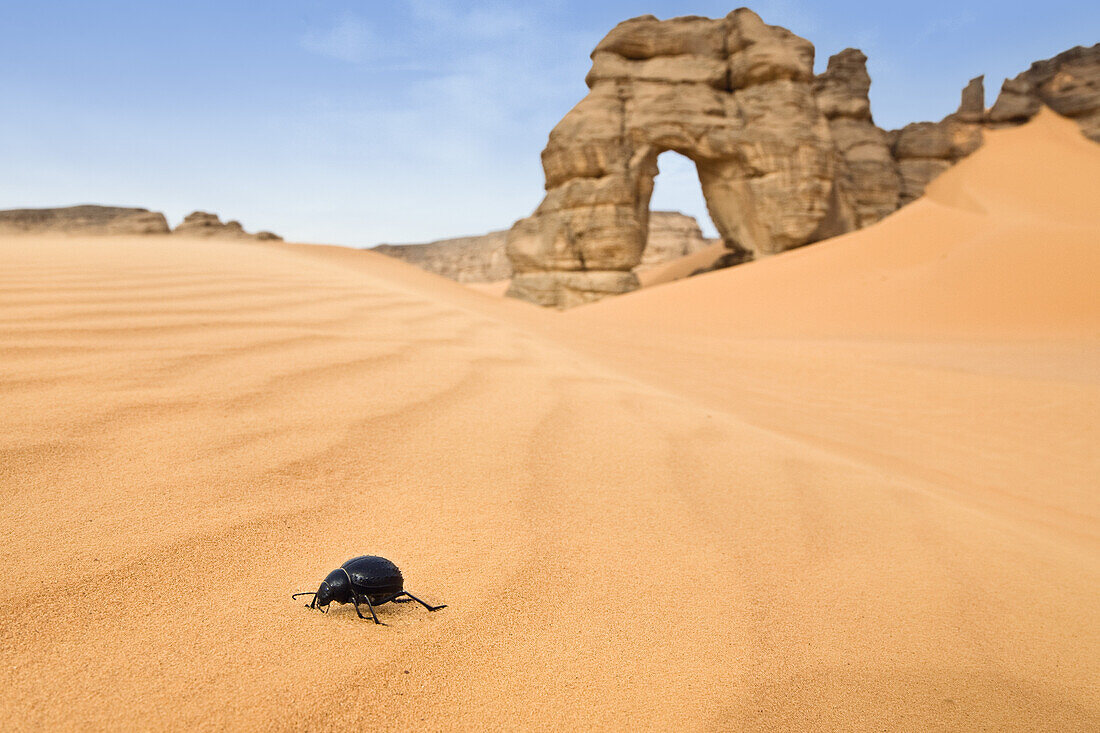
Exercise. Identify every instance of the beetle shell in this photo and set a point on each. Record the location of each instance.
(375, 577)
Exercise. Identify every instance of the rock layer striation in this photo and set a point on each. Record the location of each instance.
(106, 220)
(1069, 84)
(86, 219)
(479, 259)
(866, 173)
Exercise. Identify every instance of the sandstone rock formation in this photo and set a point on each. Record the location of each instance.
(972, 105)
(463, 259)
(784, 158)
(87, 219)
(204, 224)
(101, 220)
(672, 235)
(482, 259)
(735, 96)
(866, 172)
(923, 150)
(1069, 84)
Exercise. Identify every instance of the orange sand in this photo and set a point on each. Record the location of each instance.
(850, 487)
(682, 267)
(499, 287)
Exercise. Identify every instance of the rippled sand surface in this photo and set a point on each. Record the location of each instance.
(851, 487)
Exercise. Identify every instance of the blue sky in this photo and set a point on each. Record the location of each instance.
(358, 122)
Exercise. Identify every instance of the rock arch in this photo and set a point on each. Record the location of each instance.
(784, 158)
(733, 95)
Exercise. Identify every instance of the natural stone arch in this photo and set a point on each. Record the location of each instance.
(734, 96)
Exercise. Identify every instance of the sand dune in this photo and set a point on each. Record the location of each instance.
(850, 487)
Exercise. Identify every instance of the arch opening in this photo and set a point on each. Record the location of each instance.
(678, 220)
(676, 188)
(676, 184)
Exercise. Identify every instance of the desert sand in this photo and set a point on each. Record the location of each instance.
(852, 486)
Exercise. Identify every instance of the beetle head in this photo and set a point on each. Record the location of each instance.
(324, 595)
(335, 587)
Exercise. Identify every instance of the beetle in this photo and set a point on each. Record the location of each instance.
(365, 579)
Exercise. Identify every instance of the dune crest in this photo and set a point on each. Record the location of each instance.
(1045, 170)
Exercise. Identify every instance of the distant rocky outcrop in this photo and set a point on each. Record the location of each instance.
(785, 158)
(87, 219)
(478, 259)
(482, 259)
(205, 224)
(672, 235)
(91, 219)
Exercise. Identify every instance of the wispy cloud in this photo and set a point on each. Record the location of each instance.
(946, 25)
(348, 40)
(485, 20)
(351, 39)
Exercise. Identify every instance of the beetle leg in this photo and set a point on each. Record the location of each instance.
(422, 603)
(355, 598)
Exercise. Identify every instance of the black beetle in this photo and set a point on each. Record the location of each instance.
(366, 579)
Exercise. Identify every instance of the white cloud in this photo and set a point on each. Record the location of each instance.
(486, 20)
(945, 25)
(348, 40)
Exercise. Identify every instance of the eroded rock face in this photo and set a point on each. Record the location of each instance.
(205, 224)
(1069, 84)
(88, 219)
(483, 259)
(732, 94)
(972, 105)
(672, 235)
(463, 259)
(924, 150)
(866, 172)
